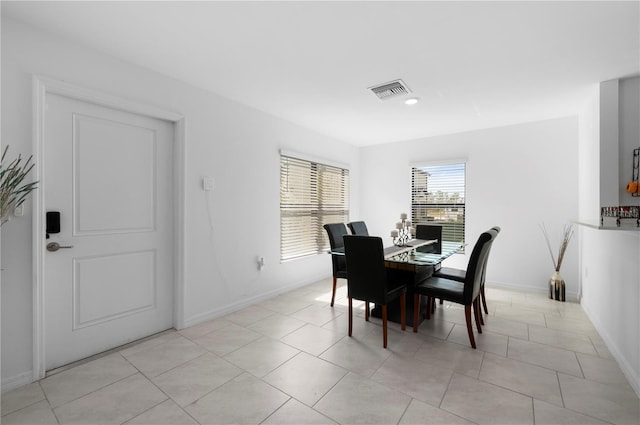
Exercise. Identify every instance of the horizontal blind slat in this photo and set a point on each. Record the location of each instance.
(438, 197)
(311, 195)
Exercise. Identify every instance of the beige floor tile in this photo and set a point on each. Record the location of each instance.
(356, 399)
(295, 413)
(567, 340)
(452, 313)
(497, 294)
(356, 356)
(312, 339)
(426, 414)
(506, 327)
(436, 327)
(520, 314)
(276, 326)
(166, 413)
(243, 400)
(227, 339)
(316, 297)
(204, 328)
(316, 315)
(194, 379)
(261, 356)
(486, 341)
(402, 343)
(484, 403)
(601, 347)
(284, 304)
(21, 397)
(607, 402)
(340, 325)
(567, 324)
(524, 378)
(306, 378)
(451, 356)
(553, 358)
(114, 404)
(39, 413)
(543, 305)
(248, 315)
(86, 378)
(399, 341)
(415, 378)
(605, 371)
(550, 414)
(156, 360)
(151, 342)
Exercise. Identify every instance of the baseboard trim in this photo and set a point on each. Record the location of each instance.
(17, 381)
(570, 296)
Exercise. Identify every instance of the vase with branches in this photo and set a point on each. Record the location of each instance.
(13, 188)
(556, 283)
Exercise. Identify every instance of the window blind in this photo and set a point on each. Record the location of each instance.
(311, 195)
(438, 197)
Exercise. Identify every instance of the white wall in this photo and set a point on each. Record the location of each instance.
(517, 177)
(611, 292)
(236, 145)
(589, 161)
(609, 258)
(609, 129)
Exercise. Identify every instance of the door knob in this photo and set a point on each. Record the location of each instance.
(54, 246)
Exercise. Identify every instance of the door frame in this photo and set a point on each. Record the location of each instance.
(44, 86)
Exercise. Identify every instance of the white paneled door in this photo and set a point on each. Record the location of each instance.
(109, 279)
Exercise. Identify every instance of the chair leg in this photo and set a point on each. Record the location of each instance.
(350, 315)
(416, 311)
(484, 299)
(479, 307)
(467, 315)
(477, 313)
(429, 300)
(403, 311)
(333, 294)
(384, 326)
(366, 311)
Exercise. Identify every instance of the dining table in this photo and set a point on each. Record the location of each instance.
(413, 262)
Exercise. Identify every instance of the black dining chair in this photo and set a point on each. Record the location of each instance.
(336, 231)
(358, 228)
(466, 292)
(368, 279)
(428, 232)
(459, 275)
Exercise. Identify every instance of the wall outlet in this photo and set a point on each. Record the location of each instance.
(207, 184)
(19, 211)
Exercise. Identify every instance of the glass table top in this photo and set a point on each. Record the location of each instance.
(411, 256)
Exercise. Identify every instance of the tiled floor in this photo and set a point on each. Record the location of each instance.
(288, 361)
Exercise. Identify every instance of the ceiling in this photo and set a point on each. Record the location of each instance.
(472, 64)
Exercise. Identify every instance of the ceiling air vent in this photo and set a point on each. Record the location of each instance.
(391, 89)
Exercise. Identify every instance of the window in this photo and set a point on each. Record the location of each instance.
(311, 195)
(438, 197)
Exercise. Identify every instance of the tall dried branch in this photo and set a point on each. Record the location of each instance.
(567, 234)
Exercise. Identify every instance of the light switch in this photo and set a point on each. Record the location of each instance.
(207, 184)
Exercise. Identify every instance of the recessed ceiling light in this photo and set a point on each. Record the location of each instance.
(411, 101)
